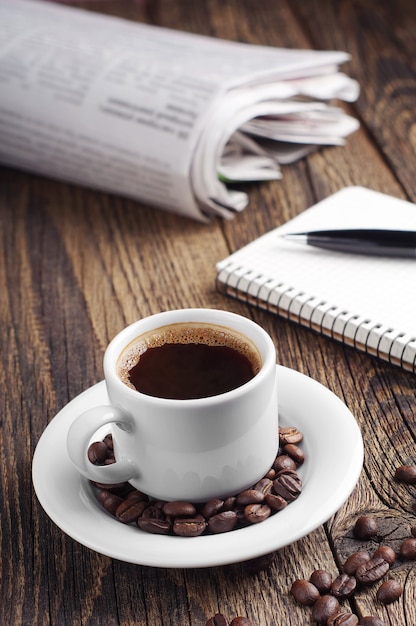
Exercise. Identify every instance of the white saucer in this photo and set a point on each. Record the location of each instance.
(334, 455)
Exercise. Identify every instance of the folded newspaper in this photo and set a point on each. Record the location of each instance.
(159, 115)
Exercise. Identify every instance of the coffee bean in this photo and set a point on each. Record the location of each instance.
(255, 513)
(222, 522)
(289, 434)
(212, 508)
(343, 586)
(408, 549)
(370, 620)
(322, 580)
(295, 452)
(229, 503)
(152, 511)
(304, 592)
(108, 441)
(343, 619)
(365, 527)
(250, 496)
(110, 501)
(355, 560)
(386, 553)
(288, 485)
(372, 571)
(284, 462)
(189, 527)
(155, 526)
(113, 487)
(264, 486)
(137, 496)
(276, 503)
(324, 608)
(241, 621)
(218, 620)
(130, 510)
(97, 452)
(406, 474)
(389, 591)
(178, 508)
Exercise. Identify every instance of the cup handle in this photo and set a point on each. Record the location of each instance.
(79, 435)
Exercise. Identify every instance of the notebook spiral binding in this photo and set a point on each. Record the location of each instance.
(351, 329)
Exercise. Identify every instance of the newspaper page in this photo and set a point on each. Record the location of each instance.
(152, 113)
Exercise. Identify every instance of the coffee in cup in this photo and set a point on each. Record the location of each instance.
(187, 361)
(192, 404)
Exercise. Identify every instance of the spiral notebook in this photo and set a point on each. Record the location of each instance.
(366, 302)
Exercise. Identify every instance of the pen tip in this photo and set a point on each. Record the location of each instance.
(298, 237)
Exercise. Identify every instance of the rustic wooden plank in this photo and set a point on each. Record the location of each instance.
(380, 39)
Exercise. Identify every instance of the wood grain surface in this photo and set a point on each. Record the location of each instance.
(77, 265)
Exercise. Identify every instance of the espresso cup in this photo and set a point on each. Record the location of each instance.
(192, 406)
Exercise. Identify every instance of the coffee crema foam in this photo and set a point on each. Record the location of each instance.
(186, 333)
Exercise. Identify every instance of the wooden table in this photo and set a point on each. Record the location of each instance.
(78, 265)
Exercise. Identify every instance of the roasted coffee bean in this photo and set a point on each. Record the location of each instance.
(97, 452)
(222, 522)
(343, 618)
(117, 488)
(130, 510)
(218, 620)
(212, 507)
(229, 503)
(137, 496)
(250, 496)
(271, 474)
(255, 513)
(264, 485)
(365, 527)
(322, 580)
(158, 504)
(108, 441)
(275, 502)
(152, 511)
(192, 527)
(288, 485)
(289, 434)
(371, 620)
(324, 608)
(408, 549)
(155, 526)
(343, 586)
(372, 571)
(386, 553)
(284, 462)
(295, 452)
(178, 508)
(389, 591)
(110, 501)
(304, 592)
(355, 560)
(241, 621)
(406, 474)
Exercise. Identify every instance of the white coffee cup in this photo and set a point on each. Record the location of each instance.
(188, 449)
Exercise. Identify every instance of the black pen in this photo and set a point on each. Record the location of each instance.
(373, 242)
